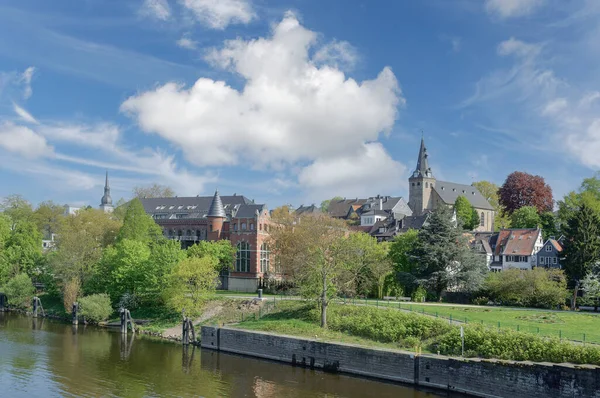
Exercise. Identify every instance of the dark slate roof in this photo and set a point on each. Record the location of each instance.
(216, 207)
(249, 211)
(414, 222)
(194, 207)
(307, 210)
(376, 213)
(340, 208)
(422, 169)
(449, 191)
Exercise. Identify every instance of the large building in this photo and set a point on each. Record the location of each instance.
(426, 193)
(235, 218)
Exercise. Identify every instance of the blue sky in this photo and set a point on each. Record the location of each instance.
(294, 101)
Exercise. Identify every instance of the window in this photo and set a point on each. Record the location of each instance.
(522, 259)
(242, 259)
(198, 234)
(235, 227)
(210, 227)
(549, 248)
(418, 184)
(260, 227)
(510, 258)
(542, 260)
(251, 227)
(482, 219)
(554, 260)
(189, 232)
(179, 233)
(264, 258)
(413, 184)
(243, 226)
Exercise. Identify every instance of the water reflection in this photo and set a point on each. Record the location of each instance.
(44, 358)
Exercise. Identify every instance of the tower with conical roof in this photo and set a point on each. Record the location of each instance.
(420, 184)
(216, 217)
(106, 201)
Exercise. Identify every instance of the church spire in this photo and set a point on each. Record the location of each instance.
(106, 200)
(216, 207)
(423, 169)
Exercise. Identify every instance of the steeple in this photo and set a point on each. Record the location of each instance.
(423, 169)
(106, 201)
(216, 207)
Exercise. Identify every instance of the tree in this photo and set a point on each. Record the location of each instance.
(23, 251)
(17, 208)
(525, 217)
(137, 225)
(221, 250)
(153, 191)
(466, 213)
(5, 225)
(588, 192)
(130, 268)
(19, 291)
(47, 217)
(368, 264)
(548, 222)
(521, 189)
(312, 252)
(581, 246)
(489, 190)
(325, 204)
(191, 282)
(280, 212)
(403, 262)
(443, 258)
(120, 209)
(591, 287)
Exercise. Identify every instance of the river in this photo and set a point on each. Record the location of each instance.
(45, 358)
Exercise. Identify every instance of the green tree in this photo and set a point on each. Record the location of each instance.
(96, 307)
(23, 250)
(466, 214)
(582, 246)
(368, 264)
(19, 291)
(548, 222)
(137, 225)
(130, 268)
(120, 209)
(165, 255)
(5, 226)
(325, 204)
(222, 250)
(47, 217)
(443, 258)
(404, 263)
(153, 191)
(588, 193)
(489, 190)
(591, 287)
(525, 217)
(191, 282)
(17, 208)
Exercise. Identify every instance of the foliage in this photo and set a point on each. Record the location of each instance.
(581, 245)
(190, 283)
(591, 287)
(466, 214)
(222, 250)
(312, 252)
(5, 227)
(489, 190)
(443, 257)
(96, 307)
(130, 270)
(71, 292)
(17, 209)
(543, 288)
(279, 212)
(525, 217)
(22, 251)
(521, 189)
(368, 264)
(153, 191)
(419, 295)
(325, 204)
(47, 218)
(404, 264)
(120, 209)
(548, 223)
(19, 291)
(138, 226)
(481, 300)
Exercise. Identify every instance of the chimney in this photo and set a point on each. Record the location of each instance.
(380, 204)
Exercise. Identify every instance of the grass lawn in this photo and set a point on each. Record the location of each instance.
(565, 324)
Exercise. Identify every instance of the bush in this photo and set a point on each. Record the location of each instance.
(95, 308)
(19, 291)
(481, 301)
(129, 301)
(71, 291)
(419, 294)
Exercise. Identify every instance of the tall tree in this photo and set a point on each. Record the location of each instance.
(581, 246)
(549, 223)
(23, 251)
(47, 217)
(443, 258)
(525, 217)
(466, 214)
(153, 191)
(521, 189)
(591, 287)
(221, 250)
(120, 209)
(280, 212)
(5, 225)
(368, 264)
(137, 225)
(588, 192)
(17, 208)
(312, 252)
(325, 204)
(404, 263)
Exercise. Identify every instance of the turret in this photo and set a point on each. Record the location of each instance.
(216, 216)
(106, 201)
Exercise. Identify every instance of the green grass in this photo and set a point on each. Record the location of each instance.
(561, 324)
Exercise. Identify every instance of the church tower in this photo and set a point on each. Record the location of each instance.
(420, 184)
(106, 201)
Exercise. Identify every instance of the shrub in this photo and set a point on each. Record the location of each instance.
(129, 301)
(481, 301)
(419, 294)
(95, 308)
(71, 291)
(19, 291)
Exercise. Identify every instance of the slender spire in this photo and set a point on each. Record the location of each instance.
(106, 183)
(216, 207)
(106, 199)
(422, 169)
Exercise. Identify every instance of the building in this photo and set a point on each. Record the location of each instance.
(49, 244)
(205, 218)
(426, 193)
(550, 254)
(517, 248)
(106, 201)
(71, 210)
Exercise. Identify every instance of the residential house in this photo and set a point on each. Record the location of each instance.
(480, 243)
(517, 248)
(550, 254)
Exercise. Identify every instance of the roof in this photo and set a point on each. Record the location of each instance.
(449, 191)
(307, 210)
(375, 213)
(216, 207)
(422, 169)
(193, 207)
(414, 222)
(340, 208)
(249, 211)
(556, 245)
(520, 242)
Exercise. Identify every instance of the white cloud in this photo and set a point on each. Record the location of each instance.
(339, 54)
(512, 8)
(369, 171)
(158, 9)
(23, 114)
(289, 112)
(555, 106)
(589, 98)
(186, 42)
(23, 141)
(218, 14)
(102, 136)
(25, 78)
(513, 46)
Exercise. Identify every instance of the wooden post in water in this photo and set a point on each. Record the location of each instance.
(131, 323)
(123, 313)
(3, 302)
(75, 310)
(185, 336)
(35, 306)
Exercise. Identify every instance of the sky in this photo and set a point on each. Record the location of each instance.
(293, 101)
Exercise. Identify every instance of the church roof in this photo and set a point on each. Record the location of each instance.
(216, 207)
(106, 199)
(423, 169)
(449, 191)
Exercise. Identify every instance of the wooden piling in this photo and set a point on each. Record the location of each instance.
(35, 306)
(123, 314)
(3, 302)
(74, 313)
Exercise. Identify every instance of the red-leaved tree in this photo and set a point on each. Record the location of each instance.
(522, 189)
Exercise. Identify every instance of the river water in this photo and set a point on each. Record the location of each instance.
(45, 358)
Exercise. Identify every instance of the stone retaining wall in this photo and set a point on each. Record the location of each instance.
(483, 378)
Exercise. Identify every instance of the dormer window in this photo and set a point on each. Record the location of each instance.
(549, 248)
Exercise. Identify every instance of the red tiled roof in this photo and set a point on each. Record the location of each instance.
(519, 242)
(556, 245)
(360, 228)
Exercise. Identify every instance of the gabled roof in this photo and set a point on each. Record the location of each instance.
(376, 213)
(519, 242)
(307, 210)
(249, 211)
(340, 208)
(556, 245)
(450, 191)
(414, 222)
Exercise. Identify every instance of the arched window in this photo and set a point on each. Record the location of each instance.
(482, 219)
(418, 184)
(198, 234)
(251, 227)
(242, 259)
(264, 258)
(171, 233)
(179, 233)
(243, 226)
(189, 232)
(235, 227)
(260, 227)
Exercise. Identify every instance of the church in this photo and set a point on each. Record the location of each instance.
(426, 193)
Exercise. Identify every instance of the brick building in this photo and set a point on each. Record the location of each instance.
(235, 218)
